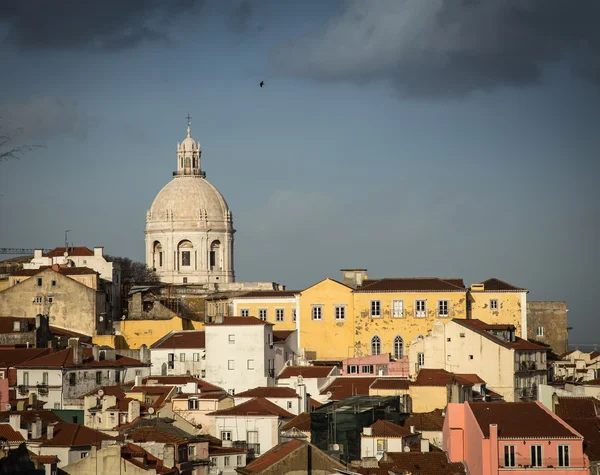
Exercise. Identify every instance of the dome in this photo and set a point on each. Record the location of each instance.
(190, 198)
(190, 144)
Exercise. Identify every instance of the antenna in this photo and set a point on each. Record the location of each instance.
(66, 242)
(100, 392)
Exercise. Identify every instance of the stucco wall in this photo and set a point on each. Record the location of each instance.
(266, 426)
(252, 305)
(510, 308)
(552, 317)
(193, 363)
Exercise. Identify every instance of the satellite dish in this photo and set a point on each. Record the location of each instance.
(300, 380)
(336, 446)
(101, 319)
(123, 317)
(100, 392)
(151, 410)
(7, 406)
(329, 394)
(65, 254)
(407, 448)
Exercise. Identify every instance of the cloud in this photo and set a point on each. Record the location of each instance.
(447, 48)
(109, 24)
(42, 118)
(242, 18)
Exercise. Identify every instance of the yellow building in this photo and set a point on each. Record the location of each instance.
(278, 307)
(494, 301)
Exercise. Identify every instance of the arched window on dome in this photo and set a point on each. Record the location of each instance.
(185, 249)
(398, 347)
(188, 162)
(157, 255)
(215, 255)
(375, 345)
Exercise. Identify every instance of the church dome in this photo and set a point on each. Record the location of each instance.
(190, 198)
(190, 144)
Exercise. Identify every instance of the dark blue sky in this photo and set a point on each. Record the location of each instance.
(455, 139)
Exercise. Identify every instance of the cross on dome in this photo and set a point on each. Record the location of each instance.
(189, 118)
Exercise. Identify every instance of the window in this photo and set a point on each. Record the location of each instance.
(470, 357)
(262, 314)
(381, 445)
(185, 258)
(231, 391)
(213, 461)
(72, 379)
(536, 455)
(462, 335)
(397, 308)
(182, 357)
(50, 299)
(45, 378)
(540, 331)
(226, 435)
(98, 377)
(193, 404)
(171, 360)
(420, 308)
(494, 306)
(509, 456)
(398, 347)
(421, 359)
(117, 376)
(294, 315)
(340, 312)
(375, 345)
(375, 309)
(230, 364)
(53, 283)
(84, 454)
(270, 339)
(138, 372)
(191, 450)
(563, 456)
(250, 364)
(226, 462)
(185, 280)
(443, 308)
(352, 369)
(289, 404)
(39, 282)
(239, 460)
(279, 314)
(1, 374)
(196, 357)
(245, 312)
(317, 312)
(367, 368)
(203, 373)
(57, 405)
(39, 299)
(231, 339)
(25, 378)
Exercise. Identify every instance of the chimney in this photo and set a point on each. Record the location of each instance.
(55, 267)
(17, 326)
(77, 354)
(73, 342)
(367, 431)
(219, 319)
(98, 251)
(36, 428)
(424, 445)
(133, 410)
(144, 355)
(96, 352)
(354, 277)
(304, 400)
(412, 429)
(50, 430)
(138, 380)
(32, 399)
(37, 254)
(493, 454)
(15, 421)
(169, 456)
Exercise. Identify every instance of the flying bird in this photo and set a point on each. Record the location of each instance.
(262, 83)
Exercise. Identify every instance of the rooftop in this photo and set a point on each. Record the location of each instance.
(74, 435)
(254, 407)
(203, 386)
(426, 421)
(274, 455)
(424, 463)
(64, 359)
(194, 339)
(497, 285)
(306, 372)
(383, 428)
(269, 392)
(268, 294)
(300, 422)
(346, 386)
(390, 383)
(238, 321)
(78, 251)
(10, 357)
(8, 433)
(412, 284)
(439, 377)
(577, 407)
(484, 329)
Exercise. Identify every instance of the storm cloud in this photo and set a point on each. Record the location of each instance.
(447, 48)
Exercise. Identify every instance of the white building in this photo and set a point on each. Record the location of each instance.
(189, 228)
(240, 353)
(315, 378)
(511, 366)
(293, 401)
(253, 425)
(224, 460)
(179, 353)
(384, 436)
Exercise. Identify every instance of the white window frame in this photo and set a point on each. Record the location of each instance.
(401, 346)
(510, 456)
(289, 404)
(340, 312)
(39, 299)
(352, 369)
(397, 313)
(250, 364)
(381, 445)
(280, 314)
(539, 331)
(420, 359)
(561, 448)
(317, 312)
(225, 435)
(196, 357)
(421, 308)
(375, 308)
(245, 312)
(493, 304)
(231, 365)
(441, 304)
(182, 357)
(231, 339)
(539, 454)
(376, 345)
(263, 312)
(367, 369)
(294, 315)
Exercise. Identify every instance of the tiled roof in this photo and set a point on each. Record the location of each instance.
(27, 417)
(254, 407)
(343, 387)
(43, 459)
(8, 433)
(439, 377)
(497, 285)
(268, 294)
(75, 435)
(180, 380)
(239, 321)
(577, 407)
(161, 424)
(117, 391)
(281, 335)
(300, 422)
(269, 392)
(218, 395)
(274, 455)
(153, 434)
(64, 359)
(482, 328)
(61, 270)
(7, 324)
(510, 416)
(78, 251)
(424, 463)
(383, 428)
(314, 404)
(10, 357)
(306, 371)
(426, 421)
(390, 383)
(132, 453)
(594, 355)
(194, 339)
(413, 284)
(472, 378)
(589, 428)
(219, 450)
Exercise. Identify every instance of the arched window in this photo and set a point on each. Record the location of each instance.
(215, 255)
(188, 162)
(185, 253)
(398, 347)
(157, 257)
(375, 345)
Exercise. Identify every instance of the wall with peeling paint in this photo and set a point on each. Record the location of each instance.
(510, 308)
(270, 304)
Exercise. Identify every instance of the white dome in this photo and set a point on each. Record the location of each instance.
(189, 144)
(190, 198)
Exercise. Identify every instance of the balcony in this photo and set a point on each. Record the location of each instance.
(526, 393)
(42, 389)
(526, 366)
(253, 449)
(23, 389)
(189, 172)
(271, 373)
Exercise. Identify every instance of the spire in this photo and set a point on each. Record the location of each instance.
(189, 118)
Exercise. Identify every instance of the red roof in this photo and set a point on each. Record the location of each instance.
(424, 463)
(413, 284)
(30, 415)
(306, 372)
(132, 453)
(10, 357)
(63, 270)
(497, 285)
(343, 387)
(510, 417)
(218, 450)
(274, 455)
(254, 407)
(439, 377)
(64, 359)
(203, 386)
(427, 421)
(268, 294)
(390, 383)
(79, 251)
(300, 422)
(589, 428)
(239, 321)
(281, 335)
(383, 428)
(472, 378)
(269, 391)
(43, 459)
(194, 339)
(8, 433)
(152, 434)
(577, 407)
(67, 434)
(483, 329)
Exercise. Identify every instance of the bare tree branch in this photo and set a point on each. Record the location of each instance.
(8, 152)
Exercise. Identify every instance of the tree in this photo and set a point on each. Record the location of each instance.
(7, 150)
(133, 272)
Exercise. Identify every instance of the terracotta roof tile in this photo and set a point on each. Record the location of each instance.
(390, 383)
(346, 386)
(300, 422)
(472, 378)
(28, 416)
(426, 421)
(180, 380)
(589, 428)
(255, 407)
(577, 407)
(152, 434)
(239, 321)
(7, 324)
(510, 416)
(274, 455)
(413, 284)
(8, 433)
(306, 371)
(61, 270)
(217, 450)
(281, 335)
(10, 357)
(439, 377)
(424, 463)
(78, 251)
(483, 329)
(268, 294)
(75, 435)
(194, 339)
(269, 392)
(64, 359)
(497, 285)
(43, 459)
(383, 428)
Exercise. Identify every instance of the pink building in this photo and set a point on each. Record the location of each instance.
(377, 365)
(512, 438)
